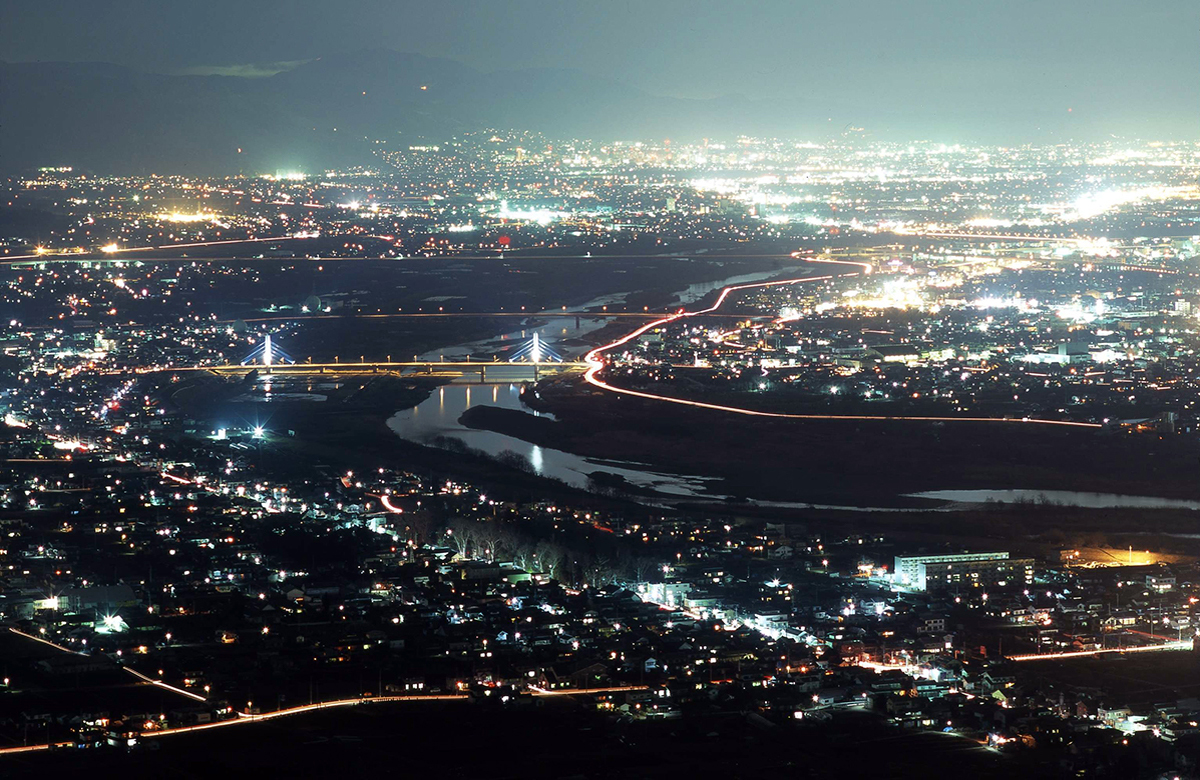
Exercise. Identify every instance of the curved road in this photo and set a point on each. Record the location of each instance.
(596, 363)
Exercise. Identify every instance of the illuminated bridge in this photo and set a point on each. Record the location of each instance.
(535, 351)
(495, 371)
(532, 360)
(267, 353)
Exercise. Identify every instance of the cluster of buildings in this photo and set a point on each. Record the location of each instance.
(490, 192)
(1008, 332)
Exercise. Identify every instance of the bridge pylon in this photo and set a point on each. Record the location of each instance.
(267, 354)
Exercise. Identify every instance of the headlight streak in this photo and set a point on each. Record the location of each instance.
(595, 362)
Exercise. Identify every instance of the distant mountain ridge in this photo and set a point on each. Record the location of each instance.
(327, 112)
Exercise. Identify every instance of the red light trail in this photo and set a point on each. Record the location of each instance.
(385, 499)
(595, 362)
(247, 718)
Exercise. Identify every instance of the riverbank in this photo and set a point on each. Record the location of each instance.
(873, 464)
(436, 422)
(361, 440)
(860, 462)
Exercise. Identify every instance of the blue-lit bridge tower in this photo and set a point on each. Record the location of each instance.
(267, 353)
(535, 351)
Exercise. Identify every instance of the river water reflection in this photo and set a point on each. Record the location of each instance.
(437, 416)
(561, 333)
(435, 420)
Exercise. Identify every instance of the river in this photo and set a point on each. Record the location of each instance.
(563, 334)
(438, 415)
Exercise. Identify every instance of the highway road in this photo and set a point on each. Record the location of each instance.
(586, 315)
(1165, 646)
(596, 363)
(137, 252)
(245, 719)
(118, 254)
(497, 371)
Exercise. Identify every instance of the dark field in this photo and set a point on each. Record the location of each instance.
(450, 285)
(33, 692)
(1138, 678)
(861, 463)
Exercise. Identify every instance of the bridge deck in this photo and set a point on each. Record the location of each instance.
(428, 366)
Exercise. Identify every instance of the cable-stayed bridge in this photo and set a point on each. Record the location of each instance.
(267, 353)
(535, 351)
(531, 361)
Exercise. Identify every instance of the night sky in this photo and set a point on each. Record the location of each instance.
(1117, 66)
